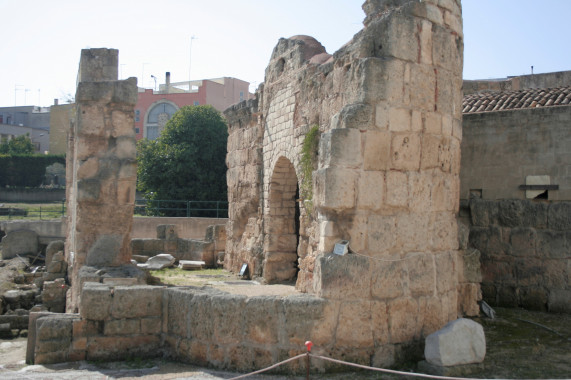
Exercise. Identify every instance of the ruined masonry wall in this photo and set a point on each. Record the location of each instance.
(524, 247)
(386, 176)
(101, 169)
(210, 328)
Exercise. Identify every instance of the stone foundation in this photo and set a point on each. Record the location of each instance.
(213, 328)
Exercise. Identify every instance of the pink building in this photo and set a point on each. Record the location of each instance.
(155, 108)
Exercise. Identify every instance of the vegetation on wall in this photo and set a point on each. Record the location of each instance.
(188, 160)
(308, 163)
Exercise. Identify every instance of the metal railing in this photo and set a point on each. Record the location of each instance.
(188, 209)
(165, 208)
(44, 212)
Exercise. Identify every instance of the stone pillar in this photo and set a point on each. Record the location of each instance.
(102, 168)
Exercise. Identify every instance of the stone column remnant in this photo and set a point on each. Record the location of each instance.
(101, 167)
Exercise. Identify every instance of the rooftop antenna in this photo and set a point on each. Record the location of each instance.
(531, 69)
(16, 89)
(155, 78)
(190, 62)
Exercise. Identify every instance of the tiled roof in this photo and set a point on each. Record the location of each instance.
(510, 100)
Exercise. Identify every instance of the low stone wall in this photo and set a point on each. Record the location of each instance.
(525, 252)
(187, 228)
(213, 328)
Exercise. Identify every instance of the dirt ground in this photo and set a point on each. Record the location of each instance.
(520, 343)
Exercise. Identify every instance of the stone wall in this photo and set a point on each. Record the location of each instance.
(524, 249)
(500, 149)
(213, 328)
(384, 175)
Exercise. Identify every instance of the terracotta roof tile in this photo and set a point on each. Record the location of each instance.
(509, 100)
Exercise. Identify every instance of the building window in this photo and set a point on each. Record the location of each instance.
(137, 130)
(241, 95)
(137, 118)
(196, 103)
(157, 116)
(1, 119)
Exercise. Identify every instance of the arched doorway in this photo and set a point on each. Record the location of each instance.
(282, 224)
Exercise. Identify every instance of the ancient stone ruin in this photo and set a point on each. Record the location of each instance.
(101, 173)
(362, 146)
(384, 176)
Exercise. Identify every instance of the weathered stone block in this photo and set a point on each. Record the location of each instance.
(357, 115)
(483, 212)
(397, 189)
(510, 212)
(335, 189)
(381, 233)
(371, 190)
(122, 327)
(136, 302)
(405, 151)
(403, 314)
(117, 348)
(400, 119)
(355, 329)
(178, 304)
(95, 301)
(228, 322)
(389, 279)
(54, 327)
(335, 272)
(447, 278)
(421, 281)
(19, 242)
(412, 231)
(559, 216)
(305, 315)
(105, 250)
(523, 242)
(470, 269)
(261, 319)
(444, 231)
(430, 315)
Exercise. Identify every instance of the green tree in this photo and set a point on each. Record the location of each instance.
(188, 160)
(18, 145)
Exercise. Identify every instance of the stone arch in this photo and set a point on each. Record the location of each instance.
(282, 224)
(156, 117)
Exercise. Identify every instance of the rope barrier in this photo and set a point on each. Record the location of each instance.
(308, 354)
(390, 370)
(269, 368)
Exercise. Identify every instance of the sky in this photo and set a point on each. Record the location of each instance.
(41, 40)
